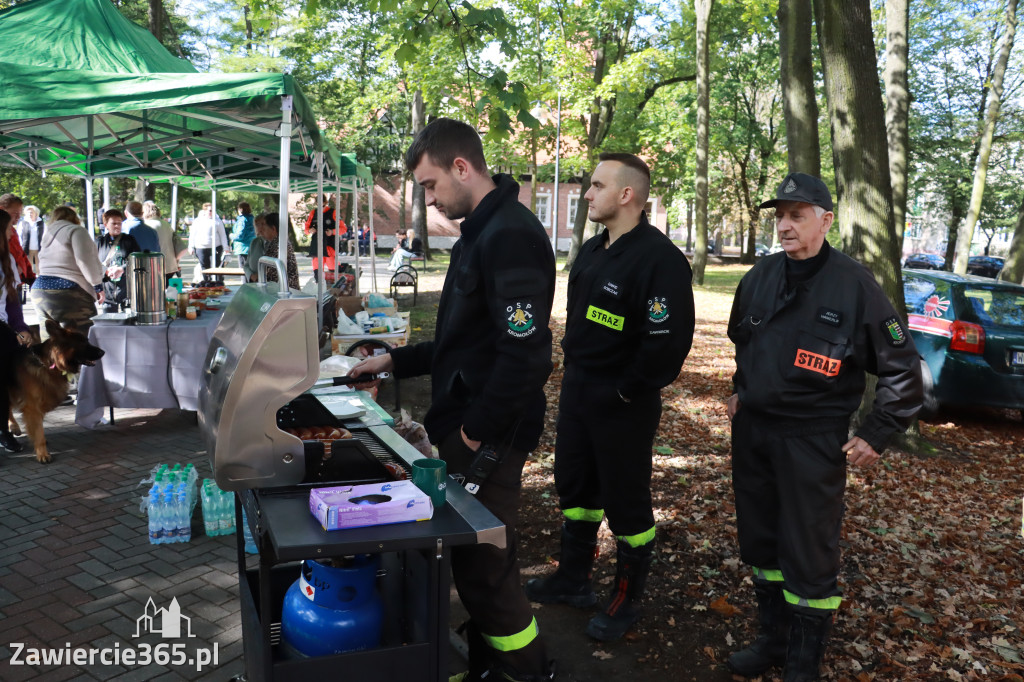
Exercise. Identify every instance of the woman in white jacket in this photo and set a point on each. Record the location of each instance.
(70, 279)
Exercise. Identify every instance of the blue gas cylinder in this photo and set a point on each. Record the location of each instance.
(333, 609)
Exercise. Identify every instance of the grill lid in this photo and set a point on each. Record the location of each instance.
(263, 354)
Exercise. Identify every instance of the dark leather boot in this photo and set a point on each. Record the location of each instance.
(769, 649)
(623, 607)
(570, 583)
(808, 634)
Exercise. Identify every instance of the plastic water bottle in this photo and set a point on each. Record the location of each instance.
(226, 505)
(184, 517)
(250, 544)
(169, 522)
(156, 531)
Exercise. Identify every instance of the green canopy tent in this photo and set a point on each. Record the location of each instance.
(94, 95)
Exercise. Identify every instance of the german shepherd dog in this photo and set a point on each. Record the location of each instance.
(41, 379)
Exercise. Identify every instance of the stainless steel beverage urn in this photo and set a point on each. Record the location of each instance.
(146, 287)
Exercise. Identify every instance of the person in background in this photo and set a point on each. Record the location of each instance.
(405, 248)
(267, 230)
(70, 278)
(151, 216)
(113, 248)
(30, 231)
(145, 236)
(257, 246)
(364, 240)
(488, 363)
(243, 233)
(13, 205)
(207, 238)
(331, 226)
(808, 324)
(13, 331)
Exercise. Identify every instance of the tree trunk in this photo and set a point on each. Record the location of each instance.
(401, 203)
(800, 105)
(897, 98)
(859, 145)
(700, 248)
(579, 225)
(1013, 269)
(155, 16)
(248, 30)
(995, 96)
(140, 190)
(419, 199)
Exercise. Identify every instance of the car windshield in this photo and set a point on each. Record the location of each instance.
(993, 305)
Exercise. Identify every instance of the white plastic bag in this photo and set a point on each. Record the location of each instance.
(337, 366)
(347, 326)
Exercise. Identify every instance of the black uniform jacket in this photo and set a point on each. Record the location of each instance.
(630, 312)
(803, 354)
(491, 353)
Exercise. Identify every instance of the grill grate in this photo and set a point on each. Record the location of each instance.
(376, 448)
(275, 634)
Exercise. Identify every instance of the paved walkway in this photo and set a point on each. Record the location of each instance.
(76, 566)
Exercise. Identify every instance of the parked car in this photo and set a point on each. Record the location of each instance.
(925, 261)
(985, 266)
(761, 250)
(969, 332)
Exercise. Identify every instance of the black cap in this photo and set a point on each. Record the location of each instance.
(801, 187)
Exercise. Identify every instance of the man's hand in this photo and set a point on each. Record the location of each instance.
(859, 453)
(372, 365)
(101, 296)
(733, 405)
(473, 445)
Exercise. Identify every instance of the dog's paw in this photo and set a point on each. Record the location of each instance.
(43, 457)
(14, 428)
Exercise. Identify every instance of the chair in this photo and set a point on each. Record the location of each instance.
(405, 276)
(415, 258)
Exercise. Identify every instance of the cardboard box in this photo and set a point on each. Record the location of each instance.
(372, 504)
(350, 304)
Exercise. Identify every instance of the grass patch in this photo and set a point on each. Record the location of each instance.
(723, 279)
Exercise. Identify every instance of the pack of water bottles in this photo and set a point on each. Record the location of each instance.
(169, 504)
(218, 509)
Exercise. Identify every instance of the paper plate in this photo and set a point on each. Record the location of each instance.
(342, 407)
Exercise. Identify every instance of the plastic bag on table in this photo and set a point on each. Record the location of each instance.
(337, 366)
(414, 434)
(347, 326)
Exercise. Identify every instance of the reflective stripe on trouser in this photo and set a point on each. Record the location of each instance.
(769, 575)
(513, 642)
(789, 478)
(487, 577)
(828, 604)
(638, 540)
(581, 514)
(603, 465)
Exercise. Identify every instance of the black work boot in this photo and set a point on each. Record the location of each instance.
(7, 440)
(808, 634)
(570, 583)
(513, 676)
(769, 649)
(623, 607)
(479, 658)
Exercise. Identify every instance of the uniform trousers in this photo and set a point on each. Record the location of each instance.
(789, 477)
(486, 577)
(603, 454)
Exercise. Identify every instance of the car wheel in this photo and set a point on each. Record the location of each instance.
(930, 405)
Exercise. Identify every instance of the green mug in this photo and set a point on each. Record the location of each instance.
(430, 476)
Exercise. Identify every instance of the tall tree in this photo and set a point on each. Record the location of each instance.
(800, 103)
(700, 249)
(897, 99)
(419, 204)
(1013, 269)
(995, 96)
(859, 146)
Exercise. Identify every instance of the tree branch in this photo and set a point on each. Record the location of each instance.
(649, 92)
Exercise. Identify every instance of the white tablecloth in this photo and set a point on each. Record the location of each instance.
(134, 370)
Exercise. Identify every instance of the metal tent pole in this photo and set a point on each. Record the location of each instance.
(369, 208)
(558, 152)
(337, 227)
(320, 236)
(286, 156)
(174, 209)
(90, 213)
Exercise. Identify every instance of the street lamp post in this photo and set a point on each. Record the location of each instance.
(558, 153)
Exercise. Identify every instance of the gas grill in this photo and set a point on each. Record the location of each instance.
(262, 358)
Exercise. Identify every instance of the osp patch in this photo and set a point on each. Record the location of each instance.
(893, 331)
(657, 309)
(520, 319)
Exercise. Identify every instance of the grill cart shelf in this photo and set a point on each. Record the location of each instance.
(414, 582)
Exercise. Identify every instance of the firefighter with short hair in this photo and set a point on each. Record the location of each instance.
(629, 327)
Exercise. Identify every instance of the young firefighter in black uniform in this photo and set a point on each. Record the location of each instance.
(488, 363)
(807, 325)
(628, 330)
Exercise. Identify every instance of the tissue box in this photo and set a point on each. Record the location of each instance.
(372, 504)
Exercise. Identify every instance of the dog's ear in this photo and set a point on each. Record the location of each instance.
(70, 326)
(53, 327)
